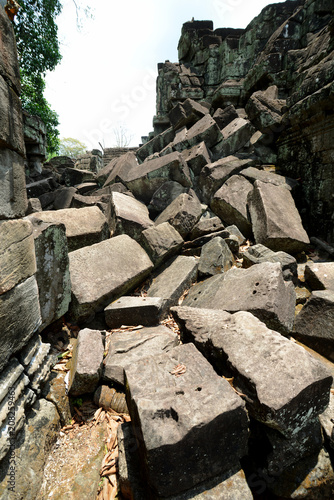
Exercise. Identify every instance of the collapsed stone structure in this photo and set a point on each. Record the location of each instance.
(235, 406)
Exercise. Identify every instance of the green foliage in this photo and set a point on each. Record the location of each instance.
(71, 147)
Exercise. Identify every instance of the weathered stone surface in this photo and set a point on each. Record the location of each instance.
(225, 116)
(230, 203)
(134, 311)
(19, 317)
(128, 216)
(264, 109)
(161, 242)
(165, 194)
(108, 398)
(118, 169)
(275, 220)
(34, 205)
(255, 174)
(126, 348)
(55, 392)
(53, 275)
(196, 157)
(64, 197)
(320, 275)
(186, 114)
(327, 421)
(259, 253)
(17, 255)
(260, 290)
(183, 213)
(284, 386)
(157, 143)
(81, 201)
(171, 283)
(216, 258)
(74, 176)
(11, 128)
(8, 54)
(84, 226)
(146, 179)
(86, 364)
(13, 195)
(314, 325)
(206, 225)
(213, 175)
(116, 265)
(204, 130)
(194, 414)
(234, 137)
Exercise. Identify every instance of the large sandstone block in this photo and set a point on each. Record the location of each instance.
(264, 109)
(259, 253)
(234, 137)
(216, 258)
(131, 310)
(103, 272)
(13, 195)
(204, 130)
(9, 66)
(19, 318)
(260, 290)
(144, 180)
(118, 169)
(320, 275)
(183, 428)
(275, 219)
(17, 253)
(161, 242)
(186, 114)
(164, 196)
(11, 121)
(196, 157)
(255, 174)
(74, 176)
(183, 213)
(84, 226)
(128, 216)
(284, 386)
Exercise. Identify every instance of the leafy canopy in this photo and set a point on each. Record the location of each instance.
(71, 147)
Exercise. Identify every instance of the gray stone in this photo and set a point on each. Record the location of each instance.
(128, 216)
(17, 255)
(259, 253)
(157, 143)
(53, 275)
(260, 290)
(186, 114)
(81, 201)
(320, 275)
(86, 187)
(28, 352)
(196, 157)
(86, 363)
(234, 137)
(34, 205)
(13, 195)
(216, 258)
(11, 121)
(183, 213)
(195, 414)
(327, 421)
(255, 174)
(283, 385)
(126, 348)
(74, 176)
(213, 175)
(204, 130)
(314, 325)
(161, 242)
(225, 116)
(131, 310)
(206, 226)
(9, 376)
(264, 109)
(103, 272)
(165, 194)
(63, 197)
(19, 318)
(118, 170)
(171, 283)
(8, 54)
(230, 203)
(84, 226)
(275, 220)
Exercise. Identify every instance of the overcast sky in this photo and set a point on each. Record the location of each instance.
(108, 72)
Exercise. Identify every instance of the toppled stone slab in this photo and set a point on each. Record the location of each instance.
(171, 283)
(103, 272)
(118, 169)
(259, 253)
(161, 242)
(74, 176)
(216, 258)
(230, 203)
(63, 197)
(128, 216)
(164, 195)
(260, 290)
(13, 194)
(194, 414)
(84, 226)
(314, 325)
(126, 348)
(186, 114)
(283, 385)
(204, 130)
(86, 364)
(234, 137)
(275, 220)
(206, 226)
(327, 421)
(196, 157)
(320, 275)
(17, 255)
(183, 213)
(265, 110)
(225, 116)
(255, 174)
(131, 310)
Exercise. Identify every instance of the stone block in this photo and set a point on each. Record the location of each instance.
(152, 174)
(230, 203)
(206, 226)
(314, 325)
(234, 137)
(40, 187)
(9, 376)
(260, 290)
(259, 253)
(74, 176)
(130, 310)
(11, 121)
(165, 194)
(216, 258)
(255, 174)
(204, 130)
(171, 283)
(196, 157)
(186, 114)
(13, 195)
(103, 272)
(327, 421)
(128, 216)
(86, 364)
(126, 348)
(118, 169)
(161, 242)
(194, 414)
(84, 226)
(17, 253)
(55, 392)
(8, 54)
(63, 197)
(225, 116)
(19, 318)
(53, 275)
(183, 213)
(156, 144)
(275, 219)
(265, 111)
(34, 205)
(284, 386)
(320, 275)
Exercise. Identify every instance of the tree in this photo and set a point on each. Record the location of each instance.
(71, 147)
(122, 136)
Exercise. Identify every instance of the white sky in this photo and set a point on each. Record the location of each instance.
(108, 72)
